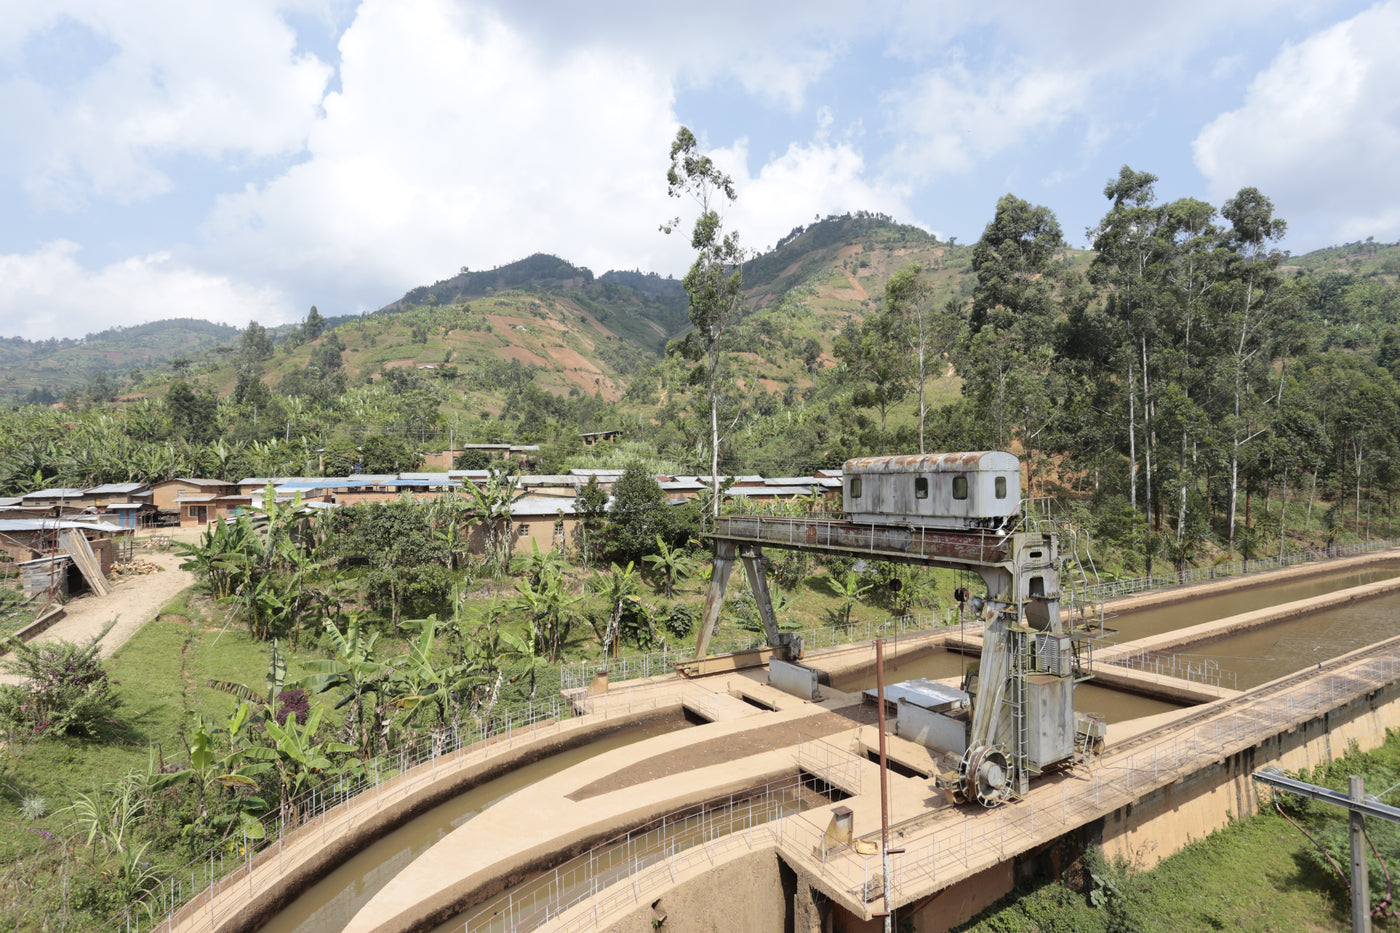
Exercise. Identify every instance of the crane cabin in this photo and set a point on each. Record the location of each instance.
(979, 491)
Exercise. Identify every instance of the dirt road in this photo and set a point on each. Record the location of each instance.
(132, 603)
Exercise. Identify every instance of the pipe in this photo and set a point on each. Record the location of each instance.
(884, 785)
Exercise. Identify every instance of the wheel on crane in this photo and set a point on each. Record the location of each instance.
(985, 775)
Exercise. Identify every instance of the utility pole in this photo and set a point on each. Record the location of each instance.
(1360, 877)
(1359, 808)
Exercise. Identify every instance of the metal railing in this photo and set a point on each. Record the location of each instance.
(686, 835)
(834, 766)
(985, 838)
(1115, 589)
(1195, 668)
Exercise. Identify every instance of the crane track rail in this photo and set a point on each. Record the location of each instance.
(1283, 685)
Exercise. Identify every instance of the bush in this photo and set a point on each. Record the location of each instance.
(66, 690)
(679, 620)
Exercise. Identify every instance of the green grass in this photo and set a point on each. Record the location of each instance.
(1256, 875)
(162, 675)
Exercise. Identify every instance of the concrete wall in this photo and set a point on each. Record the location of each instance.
(739, 895)
(1166, 821)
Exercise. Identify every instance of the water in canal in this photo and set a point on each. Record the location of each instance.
(1270, 652)
(332, 902)
(1140, 623)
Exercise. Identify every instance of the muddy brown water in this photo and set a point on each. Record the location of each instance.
(1140, 623)
(1264, 654)
(334, 900)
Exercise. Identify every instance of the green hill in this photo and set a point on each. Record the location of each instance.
(50, 367)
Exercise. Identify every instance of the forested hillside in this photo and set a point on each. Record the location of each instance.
(1176, 384)
(40, 371)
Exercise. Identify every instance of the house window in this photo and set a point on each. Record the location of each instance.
(855, 487)
(1001, 487)
(921, 487)
(959, 487)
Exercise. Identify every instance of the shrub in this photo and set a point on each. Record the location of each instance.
(66, 690)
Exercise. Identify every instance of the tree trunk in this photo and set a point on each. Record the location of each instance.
(1132, 437)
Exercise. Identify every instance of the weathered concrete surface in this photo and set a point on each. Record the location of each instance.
(246, 900)
(564, 815)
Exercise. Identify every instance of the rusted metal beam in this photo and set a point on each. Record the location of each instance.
(926, 546)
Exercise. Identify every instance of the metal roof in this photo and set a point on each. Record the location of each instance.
(536, 506)
(53, 524)
(117, 487)
(53, 494)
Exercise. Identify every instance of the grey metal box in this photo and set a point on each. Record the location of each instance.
(1050, 722)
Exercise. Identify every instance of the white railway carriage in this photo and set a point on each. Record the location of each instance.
(978, 491)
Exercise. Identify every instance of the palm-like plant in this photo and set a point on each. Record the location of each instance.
(849, 590)
(671, 563)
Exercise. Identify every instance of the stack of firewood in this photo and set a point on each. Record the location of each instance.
(134, 568)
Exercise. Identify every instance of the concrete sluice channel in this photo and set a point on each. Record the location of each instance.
(331, 902)
(1267, 653)
(530, 904)
(1257, 656)
(1247, 597)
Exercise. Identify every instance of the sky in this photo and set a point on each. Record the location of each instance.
(245, 160)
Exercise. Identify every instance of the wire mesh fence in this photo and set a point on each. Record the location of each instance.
(691, 833)
(937, 855)
(249, 866)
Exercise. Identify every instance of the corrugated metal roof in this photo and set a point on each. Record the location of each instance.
(536, 506)
(53, 524)
(117, 487)
(54, 494)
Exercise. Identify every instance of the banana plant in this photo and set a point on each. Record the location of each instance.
(357, 674)
(210, 770)
(299, 760)
(671, 563)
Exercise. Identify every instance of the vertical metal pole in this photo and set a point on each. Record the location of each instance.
(1360, 879)
(884, 782)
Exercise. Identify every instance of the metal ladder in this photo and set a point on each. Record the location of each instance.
(1015, 701)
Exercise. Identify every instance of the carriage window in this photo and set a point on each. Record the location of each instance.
(1001, 487)
(921, 487)
(959, 487)
(855, 487)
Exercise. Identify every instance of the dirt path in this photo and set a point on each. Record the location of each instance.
(132, 603)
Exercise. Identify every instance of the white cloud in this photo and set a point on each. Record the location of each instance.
(159, 80)
(805, 181)
(474, 148)
(49, 293)
(953, 118)
(1319, 131)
